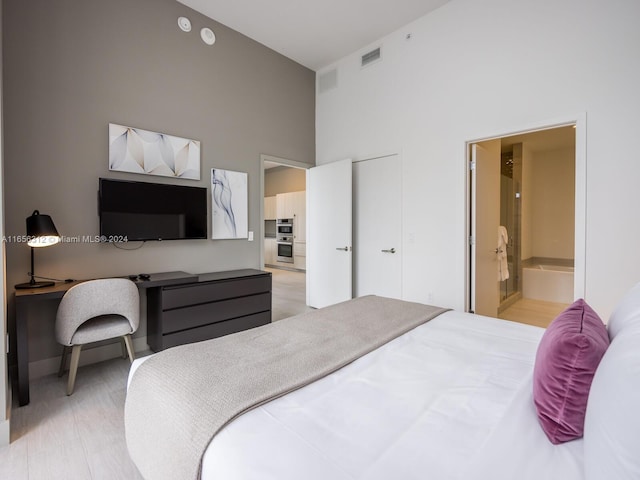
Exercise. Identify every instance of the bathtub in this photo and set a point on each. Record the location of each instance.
(552, 283)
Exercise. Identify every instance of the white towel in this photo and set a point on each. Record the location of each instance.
(503, 267)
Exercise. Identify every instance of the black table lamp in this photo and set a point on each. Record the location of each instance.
(41, 232)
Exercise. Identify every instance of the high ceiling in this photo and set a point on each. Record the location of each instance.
(314, 33)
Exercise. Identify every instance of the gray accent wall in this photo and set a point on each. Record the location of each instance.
(73, 66)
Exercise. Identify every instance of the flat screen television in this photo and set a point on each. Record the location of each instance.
(133, 211)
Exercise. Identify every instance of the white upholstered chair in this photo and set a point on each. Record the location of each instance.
(92, 311)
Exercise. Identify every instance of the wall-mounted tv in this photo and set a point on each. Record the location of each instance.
(151, 211)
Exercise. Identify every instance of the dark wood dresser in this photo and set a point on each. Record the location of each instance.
(215, 304)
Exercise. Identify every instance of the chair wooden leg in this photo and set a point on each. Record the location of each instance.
(129, 344)
(124, 347)
(63, 361)
(73, 368)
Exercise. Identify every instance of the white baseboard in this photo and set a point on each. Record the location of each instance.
(48, 366)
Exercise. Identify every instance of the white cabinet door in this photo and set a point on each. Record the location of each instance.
(300, 262)
(270, 252)
(300, 255)
(291, 204)
(284, 205)
(270, 211)
(299, 201)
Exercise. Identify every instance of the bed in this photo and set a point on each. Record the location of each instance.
(450, 398)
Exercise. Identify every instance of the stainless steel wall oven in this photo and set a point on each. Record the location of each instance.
(284, 240)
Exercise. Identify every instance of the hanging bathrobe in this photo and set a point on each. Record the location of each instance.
(503, 267)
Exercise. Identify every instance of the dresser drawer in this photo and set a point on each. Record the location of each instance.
(214, 330)
(198, 315)
(180, 296)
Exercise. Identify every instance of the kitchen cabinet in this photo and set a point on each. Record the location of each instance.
(299, 200)
(300, 255)
(300, 262)
(270, 251)
(284, 205)
(293, 205)
(270, 208)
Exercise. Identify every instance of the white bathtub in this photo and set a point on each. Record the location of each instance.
(553, 283)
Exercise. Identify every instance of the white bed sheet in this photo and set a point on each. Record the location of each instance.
(449, 400)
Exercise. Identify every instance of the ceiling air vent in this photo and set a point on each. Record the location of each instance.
(327, 81)
(371, 57)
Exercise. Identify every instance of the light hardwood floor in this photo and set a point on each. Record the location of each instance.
(82, 436)
(533, 312)
(76, 437)
(288, 293)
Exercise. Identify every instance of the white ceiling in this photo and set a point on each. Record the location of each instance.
(314, 33)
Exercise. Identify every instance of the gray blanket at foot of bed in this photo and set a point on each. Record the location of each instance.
(181, 397)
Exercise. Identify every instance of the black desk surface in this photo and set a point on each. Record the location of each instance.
(60, 288)
(247, 272)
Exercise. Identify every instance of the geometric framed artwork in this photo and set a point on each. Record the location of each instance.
(229, 204)
(136, 150)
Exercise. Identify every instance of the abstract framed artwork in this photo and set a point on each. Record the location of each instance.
(229, 204)
(135, 150)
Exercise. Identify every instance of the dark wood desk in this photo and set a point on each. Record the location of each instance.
(27, 297)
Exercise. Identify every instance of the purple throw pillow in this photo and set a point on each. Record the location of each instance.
(566, 361)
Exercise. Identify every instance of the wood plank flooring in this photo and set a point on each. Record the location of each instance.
(288, 293)
(76, 437)
(533, 312)
(81, 437)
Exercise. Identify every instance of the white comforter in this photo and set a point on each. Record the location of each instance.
(448, 400)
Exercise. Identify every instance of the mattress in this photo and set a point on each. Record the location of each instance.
(450, 399)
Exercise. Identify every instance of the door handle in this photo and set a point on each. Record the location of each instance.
(498, 250)
(391, 250)
(344, 249)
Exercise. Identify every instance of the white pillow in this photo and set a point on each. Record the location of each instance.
(626, 313)
(612, 422)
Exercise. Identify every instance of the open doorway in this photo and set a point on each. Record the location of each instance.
(523, 214)
(284, 234)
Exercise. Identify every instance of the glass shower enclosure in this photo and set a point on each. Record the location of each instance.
(510, 218)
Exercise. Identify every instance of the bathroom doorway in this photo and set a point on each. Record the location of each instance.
(523, 225)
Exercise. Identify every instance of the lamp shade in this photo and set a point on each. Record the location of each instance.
(41, 231)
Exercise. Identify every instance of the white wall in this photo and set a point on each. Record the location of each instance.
(479, 68)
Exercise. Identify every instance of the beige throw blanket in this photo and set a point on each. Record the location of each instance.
(181, 397)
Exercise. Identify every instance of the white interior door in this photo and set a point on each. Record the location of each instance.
(329, 226)
(377, 232)
(485, 220)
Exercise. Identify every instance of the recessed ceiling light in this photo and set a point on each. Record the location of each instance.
(185, 24)
(208, 36)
